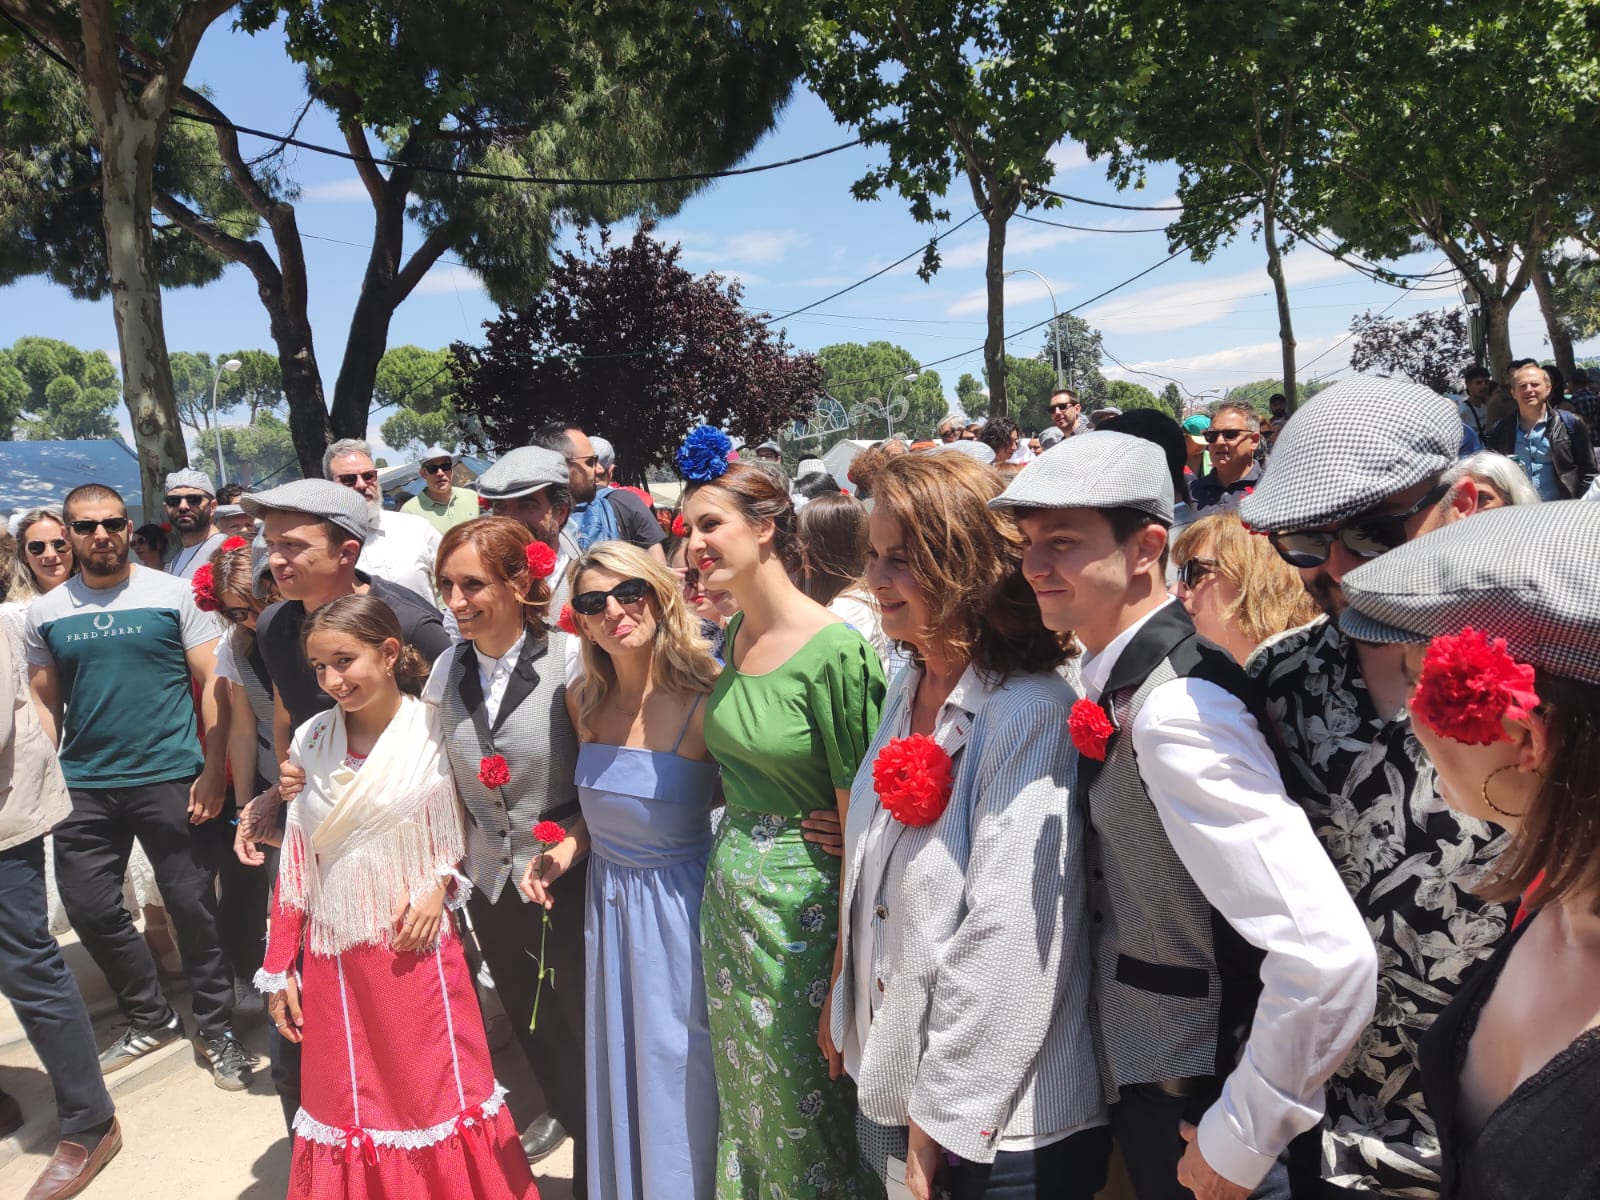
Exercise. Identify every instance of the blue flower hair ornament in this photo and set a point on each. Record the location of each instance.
(704, 454)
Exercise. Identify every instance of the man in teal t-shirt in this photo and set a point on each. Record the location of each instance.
(113, 656)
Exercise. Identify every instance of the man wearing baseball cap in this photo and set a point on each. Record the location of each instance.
(1230, 991)
(191, 503)
(531, 485)
(1358, 471)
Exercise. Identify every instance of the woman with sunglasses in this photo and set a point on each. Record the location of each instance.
(149, 546)
(1235, 587)
(647, 784)
(789, 721)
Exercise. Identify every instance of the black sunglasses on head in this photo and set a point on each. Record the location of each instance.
(57, 544)
(1365, 537)
(592, 604)
(87, 528)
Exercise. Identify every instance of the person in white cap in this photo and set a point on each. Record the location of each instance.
(1233, 973)
(401, 547)
(440, 502)
(191, 502)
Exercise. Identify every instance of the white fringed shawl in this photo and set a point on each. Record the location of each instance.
(361, 844)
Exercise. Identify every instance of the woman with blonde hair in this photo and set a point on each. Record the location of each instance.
(647, 784)
(1234, 586)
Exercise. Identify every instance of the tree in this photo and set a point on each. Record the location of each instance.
(1032, 381)
(129, 86)
(1081, 356)
(876, 373)
(257, 384)
(259, 453)
(1258, 392)
(1127, 395)
(1430, 348)
(628, 344)
(52, 391)
(419, 384)
(1172, 401)
(971, 396)
(948, 88)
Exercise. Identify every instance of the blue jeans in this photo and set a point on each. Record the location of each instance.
(42, 991)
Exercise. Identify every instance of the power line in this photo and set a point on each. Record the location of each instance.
(1044, 191)
(1090, 228)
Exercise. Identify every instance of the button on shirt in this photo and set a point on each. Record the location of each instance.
(1217, 789)
(1532, 452)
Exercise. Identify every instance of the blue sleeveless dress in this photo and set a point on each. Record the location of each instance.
(652, 1091)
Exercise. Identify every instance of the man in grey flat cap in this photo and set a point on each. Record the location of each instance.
(531, 485)
(1360, 470)
(1228, 993)
(191, 501)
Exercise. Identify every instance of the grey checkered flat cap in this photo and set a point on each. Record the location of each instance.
(191, 478)
(522, 472)
(320, 498)
(1350, 447)
(228, 510)
(1524, 573)
(1095, 470)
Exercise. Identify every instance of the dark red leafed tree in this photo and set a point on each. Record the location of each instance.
(627, 344)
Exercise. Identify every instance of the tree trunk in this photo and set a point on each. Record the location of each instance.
(994, 341)
(302, 386)
(1560, 339)
(1280, 288)
(369, 338)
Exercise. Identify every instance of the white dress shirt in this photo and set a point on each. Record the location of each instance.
(494, 675)
(1221, 800)
(401, 551)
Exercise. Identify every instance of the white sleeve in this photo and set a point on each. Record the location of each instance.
(1251, 851)
(439, 678)
(227, 664)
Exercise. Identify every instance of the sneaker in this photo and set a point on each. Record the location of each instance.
(247, 1002)
(231, 1067)
(135, 1043)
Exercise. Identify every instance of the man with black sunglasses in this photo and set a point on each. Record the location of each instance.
(1066, 412)
(191, 501)
(399, 548)
(1358, 471)
(440, 502)
(599, 513)
(1232, 439)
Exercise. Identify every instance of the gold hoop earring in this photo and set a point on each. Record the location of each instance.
(1486, 781)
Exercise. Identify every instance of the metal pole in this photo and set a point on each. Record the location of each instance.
(222, 475)
(1055, 317)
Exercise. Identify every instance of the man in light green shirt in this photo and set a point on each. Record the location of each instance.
(440, 501)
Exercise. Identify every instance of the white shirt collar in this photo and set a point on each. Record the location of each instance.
(1097, 668)
(489, 664)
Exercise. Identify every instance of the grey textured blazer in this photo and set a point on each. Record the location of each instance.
(981, 941)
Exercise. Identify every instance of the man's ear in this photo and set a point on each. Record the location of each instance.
(1463, 500)
(1149, 544)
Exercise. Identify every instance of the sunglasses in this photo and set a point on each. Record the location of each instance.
(1225, 435)
(237, 615)
(1063, 407)
(591, 461)
(87, 528)
(180, 501)
(1194, 570)
(592, 604)
(357, 477)
(1365, 538)
(59, 545)
(433, 468)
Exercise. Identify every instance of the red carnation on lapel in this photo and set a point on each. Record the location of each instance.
(541, 560)
(1090, 728)
(205, 589)
(912, 776)
(549, 833)
(565, 622)
(493, 772)
(235, 543)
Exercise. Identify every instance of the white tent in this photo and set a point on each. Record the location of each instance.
(840, 455)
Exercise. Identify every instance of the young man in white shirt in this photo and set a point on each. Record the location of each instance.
(1233, 973)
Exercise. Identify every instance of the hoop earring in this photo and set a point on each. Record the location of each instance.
(1486, 781)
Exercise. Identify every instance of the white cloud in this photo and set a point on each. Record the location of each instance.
(1218, 370)
(749, 247)
(1068, 156)
(1200, 301)
(446, 278)
(1019, 290)
(337, 191)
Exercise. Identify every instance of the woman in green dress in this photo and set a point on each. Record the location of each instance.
(789, 721)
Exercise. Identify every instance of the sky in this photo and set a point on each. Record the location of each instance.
(792, 236)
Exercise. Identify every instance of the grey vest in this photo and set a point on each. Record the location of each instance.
(534, 735)
(1175, 985)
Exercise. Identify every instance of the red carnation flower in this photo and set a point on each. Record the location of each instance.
(912, 776)
(549, 833)
(205, 589)
(1469, 684)
(541, 560)
(235, 543)
(565, 622)
(679, 529)
(165, 527)
(493, 772)
(1090, 728)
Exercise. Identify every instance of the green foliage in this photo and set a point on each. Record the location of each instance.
(52, 391)
(256, 385)
(974, 401)
(1127, 395)
(1030, 381)
(1258, 392)
(1171, 401)
(875, 373)
(420, 385)
(255, 454)
(1431, 348)
(1081, 357)
(1577, 292)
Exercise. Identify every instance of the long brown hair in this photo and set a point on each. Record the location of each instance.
(966, 559)
(372, 623)
(233, 571)
(759, 498)
(833, 545)
(502, 546)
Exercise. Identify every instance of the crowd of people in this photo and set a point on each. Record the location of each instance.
(1215, 798)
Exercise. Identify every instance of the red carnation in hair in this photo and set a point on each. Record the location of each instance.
(912, 776)
(565, 622)
(205, 589)
(550, 833)
(541, 560)
(166, 528)
(235, 543)
(493, 772)
(679, 529)
(1090, 728)
(1469, 684)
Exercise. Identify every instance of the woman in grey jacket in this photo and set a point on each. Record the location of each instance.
(961, 999)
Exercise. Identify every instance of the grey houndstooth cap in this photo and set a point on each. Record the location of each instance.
(1350, 447)
(188, 477)
(523, 471)
(1524, 573)
(320, 498)
(1095, 470)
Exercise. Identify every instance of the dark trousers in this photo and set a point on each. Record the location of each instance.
(1071, 1169)
(508, 933)
(92, 847)
(44, 995)
(1145, 1121)
(242, 897)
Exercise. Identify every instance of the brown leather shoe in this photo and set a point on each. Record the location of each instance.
(72, 1168)
(10, 1114)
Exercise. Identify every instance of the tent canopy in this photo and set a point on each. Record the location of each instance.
(40, 474)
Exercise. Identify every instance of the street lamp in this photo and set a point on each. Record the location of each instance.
(1055, 318)
(230, 366)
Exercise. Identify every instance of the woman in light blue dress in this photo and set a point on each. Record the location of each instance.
(647, 784)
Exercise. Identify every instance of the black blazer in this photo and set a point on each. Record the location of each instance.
(1571, 449)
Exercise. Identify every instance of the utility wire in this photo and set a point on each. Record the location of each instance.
(1089, 228)
(1044, 191)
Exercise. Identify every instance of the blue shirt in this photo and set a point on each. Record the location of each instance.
(1532, 452)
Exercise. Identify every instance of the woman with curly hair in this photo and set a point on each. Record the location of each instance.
(960, 1002)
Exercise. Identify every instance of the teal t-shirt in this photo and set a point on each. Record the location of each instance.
(128, 711)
